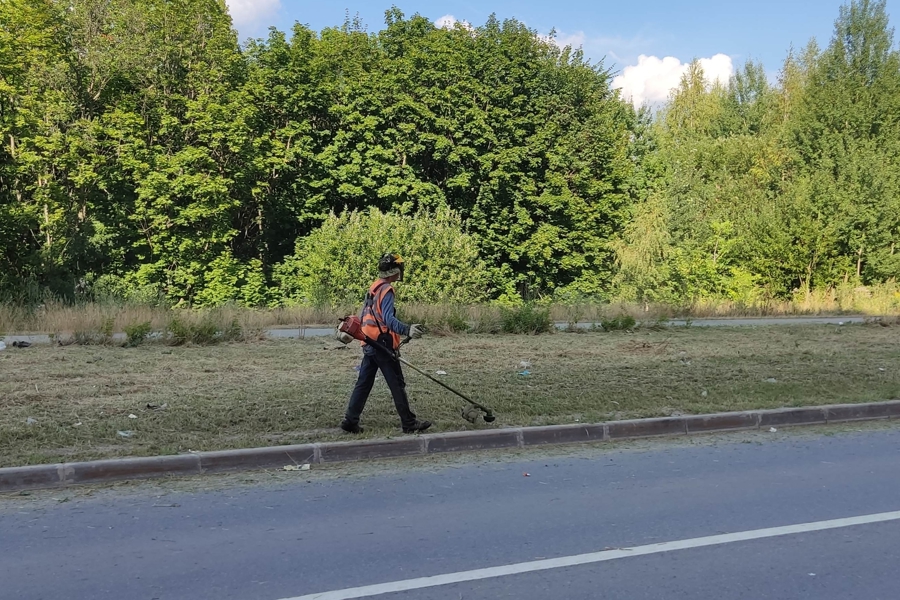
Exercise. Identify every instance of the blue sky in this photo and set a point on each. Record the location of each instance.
(646, 42)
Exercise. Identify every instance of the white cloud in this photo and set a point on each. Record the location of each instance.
(247, 13)
(449, 22)
(575, 40)
(652, 79)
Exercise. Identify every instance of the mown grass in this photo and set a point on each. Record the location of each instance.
(291, 391)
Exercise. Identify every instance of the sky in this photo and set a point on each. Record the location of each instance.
(646, 43)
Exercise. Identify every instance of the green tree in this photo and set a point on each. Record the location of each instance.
(691, 237)
(33, 50)
(845, 138)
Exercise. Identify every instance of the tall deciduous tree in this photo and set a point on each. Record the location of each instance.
(845, 136)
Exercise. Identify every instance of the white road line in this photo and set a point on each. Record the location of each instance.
(593, 557)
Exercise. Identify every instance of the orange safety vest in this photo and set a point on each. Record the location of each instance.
(373, 323)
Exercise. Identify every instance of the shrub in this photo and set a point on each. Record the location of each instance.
(136, 334)
(455, 322)
(177, 333)
(525, 319)
(232, 332)
(203, 333)
(206, 332)
(108, 328)
(337, 262)
(444, 319)
(448, 324)
(89, 336)
(620, 323)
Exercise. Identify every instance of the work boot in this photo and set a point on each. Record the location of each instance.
(417, 427)
(351, 427)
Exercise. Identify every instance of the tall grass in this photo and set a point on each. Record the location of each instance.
(882, 300)
(98, 321)
(60, 319)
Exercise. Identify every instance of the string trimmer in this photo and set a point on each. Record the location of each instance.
(352, 327)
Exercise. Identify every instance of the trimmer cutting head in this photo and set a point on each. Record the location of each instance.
(472, 412)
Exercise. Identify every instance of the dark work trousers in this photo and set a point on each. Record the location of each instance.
(393, 376)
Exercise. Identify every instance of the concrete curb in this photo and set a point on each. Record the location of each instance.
(104, 471)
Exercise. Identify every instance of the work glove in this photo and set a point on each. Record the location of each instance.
(415, 331)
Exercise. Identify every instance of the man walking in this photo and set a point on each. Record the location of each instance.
(380, 323)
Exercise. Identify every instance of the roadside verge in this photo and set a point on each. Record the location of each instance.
(104, 471)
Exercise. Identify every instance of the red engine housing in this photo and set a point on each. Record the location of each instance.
(353, 327)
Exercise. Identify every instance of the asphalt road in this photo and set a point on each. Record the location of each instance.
(324, 533)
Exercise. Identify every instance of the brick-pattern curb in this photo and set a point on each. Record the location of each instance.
(60, 475)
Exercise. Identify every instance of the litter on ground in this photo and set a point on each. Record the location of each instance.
(296, 467)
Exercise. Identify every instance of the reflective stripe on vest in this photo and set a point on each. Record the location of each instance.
(373, 322)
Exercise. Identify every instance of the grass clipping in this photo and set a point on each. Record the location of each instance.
(75, 403)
